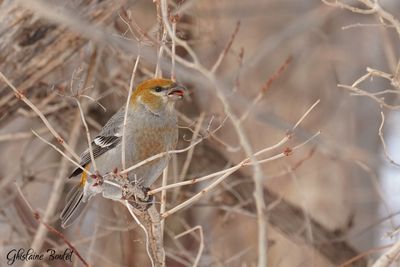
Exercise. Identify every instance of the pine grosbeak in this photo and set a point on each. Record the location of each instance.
(151, 129)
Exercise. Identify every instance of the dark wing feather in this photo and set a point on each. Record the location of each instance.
(100, 145)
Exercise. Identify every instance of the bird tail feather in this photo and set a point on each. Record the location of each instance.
(73, 207)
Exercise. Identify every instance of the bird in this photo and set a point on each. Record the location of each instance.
(151, 128)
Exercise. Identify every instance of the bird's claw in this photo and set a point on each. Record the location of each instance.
(98, 179)
(138, 197)
(144, 203)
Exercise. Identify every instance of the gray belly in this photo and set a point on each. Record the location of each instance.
(149, 146)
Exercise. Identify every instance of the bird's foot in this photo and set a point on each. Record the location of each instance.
(98, 179)
(138, 196)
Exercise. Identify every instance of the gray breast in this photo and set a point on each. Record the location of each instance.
(151, 134)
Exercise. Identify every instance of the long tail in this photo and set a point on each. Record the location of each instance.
(74, 206)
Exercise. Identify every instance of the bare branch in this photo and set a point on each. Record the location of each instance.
(201, 246)
(128, 99)
(20, 96)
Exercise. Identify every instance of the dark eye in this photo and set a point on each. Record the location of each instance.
(158, 89)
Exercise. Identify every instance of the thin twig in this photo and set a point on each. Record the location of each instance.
(87, 136)
(262, 151)
(130, 209)
(188, 159)
(164, 13)
(160, 155)
(201, 193)
(266, 86)
(380, 133)
(54, 199)
(201, 243)
(22, 97)
(243, 139)
(128, 99)
(386, 259)
(370, 25)
(339, 4)
(20, 135)
(163, 196)
(62, 153)
(380, 101)
(225, 173)
(226, 49)
(364, 254)
(158, 72)
(174, 21)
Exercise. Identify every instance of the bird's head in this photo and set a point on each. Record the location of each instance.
(157, 94)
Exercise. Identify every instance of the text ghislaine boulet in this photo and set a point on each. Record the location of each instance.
(22, 254)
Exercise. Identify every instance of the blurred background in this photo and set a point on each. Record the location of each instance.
(331, 200)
